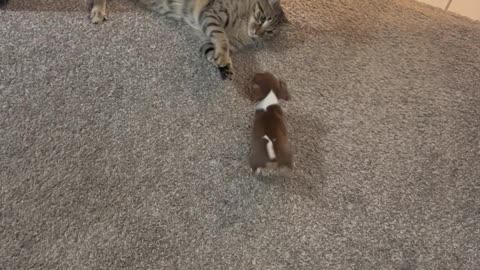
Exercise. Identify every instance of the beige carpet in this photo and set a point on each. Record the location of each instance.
(120, 147)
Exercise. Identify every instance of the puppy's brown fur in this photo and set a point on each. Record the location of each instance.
(269, 122)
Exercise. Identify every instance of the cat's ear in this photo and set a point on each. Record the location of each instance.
(283, 90)
(274, 3)
(286, 25)
(284, 19)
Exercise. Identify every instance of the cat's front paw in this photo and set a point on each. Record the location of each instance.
(98, 15)
(226, 72)
(224, 64)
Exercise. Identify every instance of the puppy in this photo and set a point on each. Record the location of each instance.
(269, 143)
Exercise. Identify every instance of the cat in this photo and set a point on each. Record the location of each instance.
(225, 26)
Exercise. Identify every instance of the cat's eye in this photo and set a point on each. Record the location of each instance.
(263, 19)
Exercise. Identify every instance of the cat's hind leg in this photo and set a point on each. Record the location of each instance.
(98, 11)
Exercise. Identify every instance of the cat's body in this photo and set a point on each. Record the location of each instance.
(224, 25)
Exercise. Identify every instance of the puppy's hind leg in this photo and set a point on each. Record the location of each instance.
(98, 10)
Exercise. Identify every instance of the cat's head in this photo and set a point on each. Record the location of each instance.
(267, 19)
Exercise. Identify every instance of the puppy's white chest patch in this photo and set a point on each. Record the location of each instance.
(270, 150)
(269, 100)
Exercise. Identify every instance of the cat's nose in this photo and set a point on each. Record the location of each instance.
(258, 30)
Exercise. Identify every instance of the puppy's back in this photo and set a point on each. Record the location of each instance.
(269, 129)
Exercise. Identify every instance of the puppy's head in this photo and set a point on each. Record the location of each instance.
(263, 83)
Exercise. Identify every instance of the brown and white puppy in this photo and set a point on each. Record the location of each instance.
(269, 142)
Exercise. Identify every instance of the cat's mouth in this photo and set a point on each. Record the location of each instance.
(253, 35)
(253, 30)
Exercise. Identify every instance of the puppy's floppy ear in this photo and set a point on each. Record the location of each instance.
(283, 90)
(255, 91)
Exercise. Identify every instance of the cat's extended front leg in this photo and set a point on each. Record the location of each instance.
(221, 57)
(98, 10)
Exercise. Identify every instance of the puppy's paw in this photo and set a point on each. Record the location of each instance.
(98, 15)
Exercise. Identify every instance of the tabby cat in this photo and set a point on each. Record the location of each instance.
(224, 25)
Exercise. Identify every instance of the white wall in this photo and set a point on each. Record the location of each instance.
(468, 8)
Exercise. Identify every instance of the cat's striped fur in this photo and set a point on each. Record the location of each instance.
(225, 25)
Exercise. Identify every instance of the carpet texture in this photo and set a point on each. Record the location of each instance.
(120, 147)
